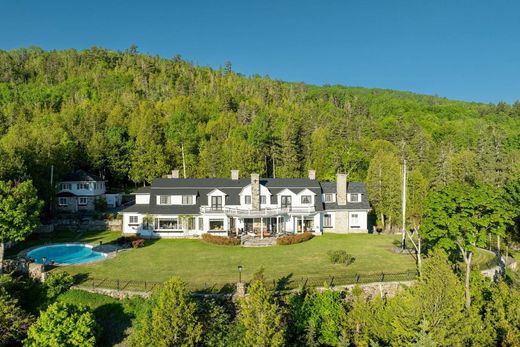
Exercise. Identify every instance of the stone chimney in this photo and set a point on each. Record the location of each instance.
(312, 174)
(175, 174)
(255, 191)
(234, 174)
(341, 189)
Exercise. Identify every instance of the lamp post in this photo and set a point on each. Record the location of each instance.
(240, 273)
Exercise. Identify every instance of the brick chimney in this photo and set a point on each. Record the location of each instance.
(175, 174)
(255, 191)
(341, 189)
(312, 174)
(234, 174)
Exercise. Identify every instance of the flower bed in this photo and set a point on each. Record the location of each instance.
(294, 239)
(221, 240)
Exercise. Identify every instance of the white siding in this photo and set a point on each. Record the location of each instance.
(142, 199)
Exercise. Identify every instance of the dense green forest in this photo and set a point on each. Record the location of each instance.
(131, 117)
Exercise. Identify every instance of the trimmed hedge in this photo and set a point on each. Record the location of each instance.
(221, 240)
(293, 239)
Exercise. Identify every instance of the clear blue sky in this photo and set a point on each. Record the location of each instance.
(468, 50)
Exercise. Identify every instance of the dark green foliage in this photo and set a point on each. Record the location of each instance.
(340, 257)
(14, 321)
(132, 116)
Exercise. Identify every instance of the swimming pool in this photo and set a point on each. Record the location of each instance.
(65, 254)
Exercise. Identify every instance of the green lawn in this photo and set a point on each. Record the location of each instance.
(202, 264)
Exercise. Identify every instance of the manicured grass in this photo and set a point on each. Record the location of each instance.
(203, 265)
(92, 237)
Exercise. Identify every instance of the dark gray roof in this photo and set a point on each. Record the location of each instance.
(200, 187)
(80, 175)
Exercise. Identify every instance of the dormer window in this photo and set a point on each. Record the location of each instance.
(164, 200)
(82, 186)
(329, 197)
(187, 199)
(262, 200)
(247, 199)
(306, 199)
(354, 197)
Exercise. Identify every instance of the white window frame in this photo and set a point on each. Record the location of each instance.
(187, 199)
(263, 200)
(133, 220)
(329, 197)
(247, 199)
(327, 221)
(82, 201)
(62, 201)
(307, 198)
(201, 224)
(357, 199)
(217, 220)
(167, 197)
(354, 217)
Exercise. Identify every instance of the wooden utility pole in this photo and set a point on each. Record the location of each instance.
(403, 238)
(183, 161)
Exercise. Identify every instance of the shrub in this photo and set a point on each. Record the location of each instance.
(100, 204)
(293, 239)
(56, 284)
(340, 257)
(133, 240)
(221, 240)
(65, 325)
(138, 243)
(169, 319)
(14, 321)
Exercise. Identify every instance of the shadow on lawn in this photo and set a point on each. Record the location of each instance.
(114, 323)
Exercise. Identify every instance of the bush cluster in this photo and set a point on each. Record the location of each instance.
(221, 240)
(134, 241)
(340, 256)
(293, 239)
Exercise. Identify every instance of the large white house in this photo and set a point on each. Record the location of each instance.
(173, 207)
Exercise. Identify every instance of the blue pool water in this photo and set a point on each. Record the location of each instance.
(65, 254)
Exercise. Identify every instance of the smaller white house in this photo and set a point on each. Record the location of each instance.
(78, 191)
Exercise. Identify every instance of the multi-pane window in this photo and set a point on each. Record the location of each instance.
(247, 199)
(133, 220)
(354, 197)
(164, 200)
(262, 200)
(216, 203)
(327, 220)
(65, 186)
(187, 199)
(329, 197)
(306, 199)
(201, 223)
(354, 221)
(286, 201)
(80, 186)
(62, 201)
(82, 200)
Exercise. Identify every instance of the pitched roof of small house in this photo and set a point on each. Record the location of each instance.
(81, 176)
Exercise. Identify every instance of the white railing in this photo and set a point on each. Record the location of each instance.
(263, 212)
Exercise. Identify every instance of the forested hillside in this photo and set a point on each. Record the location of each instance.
(130, 117)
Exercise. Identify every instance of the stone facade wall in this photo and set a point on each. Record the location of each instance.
(341, 222)
(255, 191)
(341, 189)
